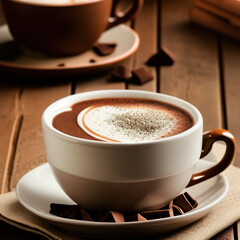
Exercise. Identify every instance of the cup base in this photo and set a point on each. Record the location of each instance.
(127, 196)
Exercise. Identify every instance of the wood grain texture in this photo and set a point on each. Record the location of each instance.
(146, 26)
(231, 71)
(238, 229)
(99, 82)
(9, 122)
(195, 74)
(30, 151)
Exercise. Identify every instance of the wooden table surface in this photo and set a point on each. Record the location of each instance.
(205, 72)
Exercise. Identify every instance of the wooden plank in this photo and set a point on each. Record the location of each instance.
(145, 25)
(195, 73)
(9, 97)
(226, 234)
(30, 151)
(99, 82)
(238, 229)
(231, 60)
(9, 122)
(9, 128)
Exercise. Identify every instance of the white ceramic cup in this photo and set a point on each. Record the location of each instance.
(130, 176)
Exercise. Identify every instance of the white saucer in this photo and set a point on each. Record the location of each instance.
(127, 43)
(38, 188)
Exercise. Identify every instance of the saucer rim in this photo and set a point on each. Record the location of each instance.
(106, 62)
(59, 220)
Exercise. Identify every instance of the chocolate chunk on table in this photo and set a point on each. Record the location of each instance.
(141, 75)
(162, 58)
(121, 73)
(104, 49)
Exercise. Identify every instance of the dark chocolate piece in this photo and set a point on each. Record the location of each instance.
(178, 206)
(185, 202)
(61, 65)
(113, 216)
(140, 218)
(141, 76)
(85, 215)
(176, 211)
(156, 214)
(162, 58)
(9, 50)
(70, 211)
(121, 73)
(104, 49)
(92, 60)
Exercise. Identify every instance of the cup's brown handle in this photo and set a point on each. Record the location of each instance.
(118, 16)
(209, 138)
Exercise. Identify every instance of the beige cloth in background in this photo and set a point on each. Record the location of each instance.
(223, 215)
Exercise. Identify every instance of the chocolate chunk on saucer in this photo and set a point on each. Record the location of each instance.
(61, 65)
(155, 214)
(70, 211)
(141, 75)
(121, 73)
(92, 60)
(185, 201)
(178, 206)
(104, 49)
(113, 216)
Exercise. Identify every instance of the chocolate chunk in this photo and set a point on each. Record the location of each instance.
(141, 76)
(131, 217)
(162, 58)
(113, 216)
(70, 211)
(176, 211)
(61, 65)
(178, 206)
(185, 202)
(92, 60)
(85, 215)
(9, 50)
(104, 49)
(121, 73)
(140, 218)
(156, 214)
(62, 210)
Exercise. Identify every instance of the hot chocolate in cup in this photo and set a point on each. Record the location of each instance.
(128, 150)
(63, 27)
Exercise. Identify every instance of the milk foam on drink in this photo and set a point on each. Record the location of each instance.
(127, 124)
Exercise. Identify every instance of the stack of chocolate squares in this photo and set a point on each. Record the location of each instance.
(178, 206)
